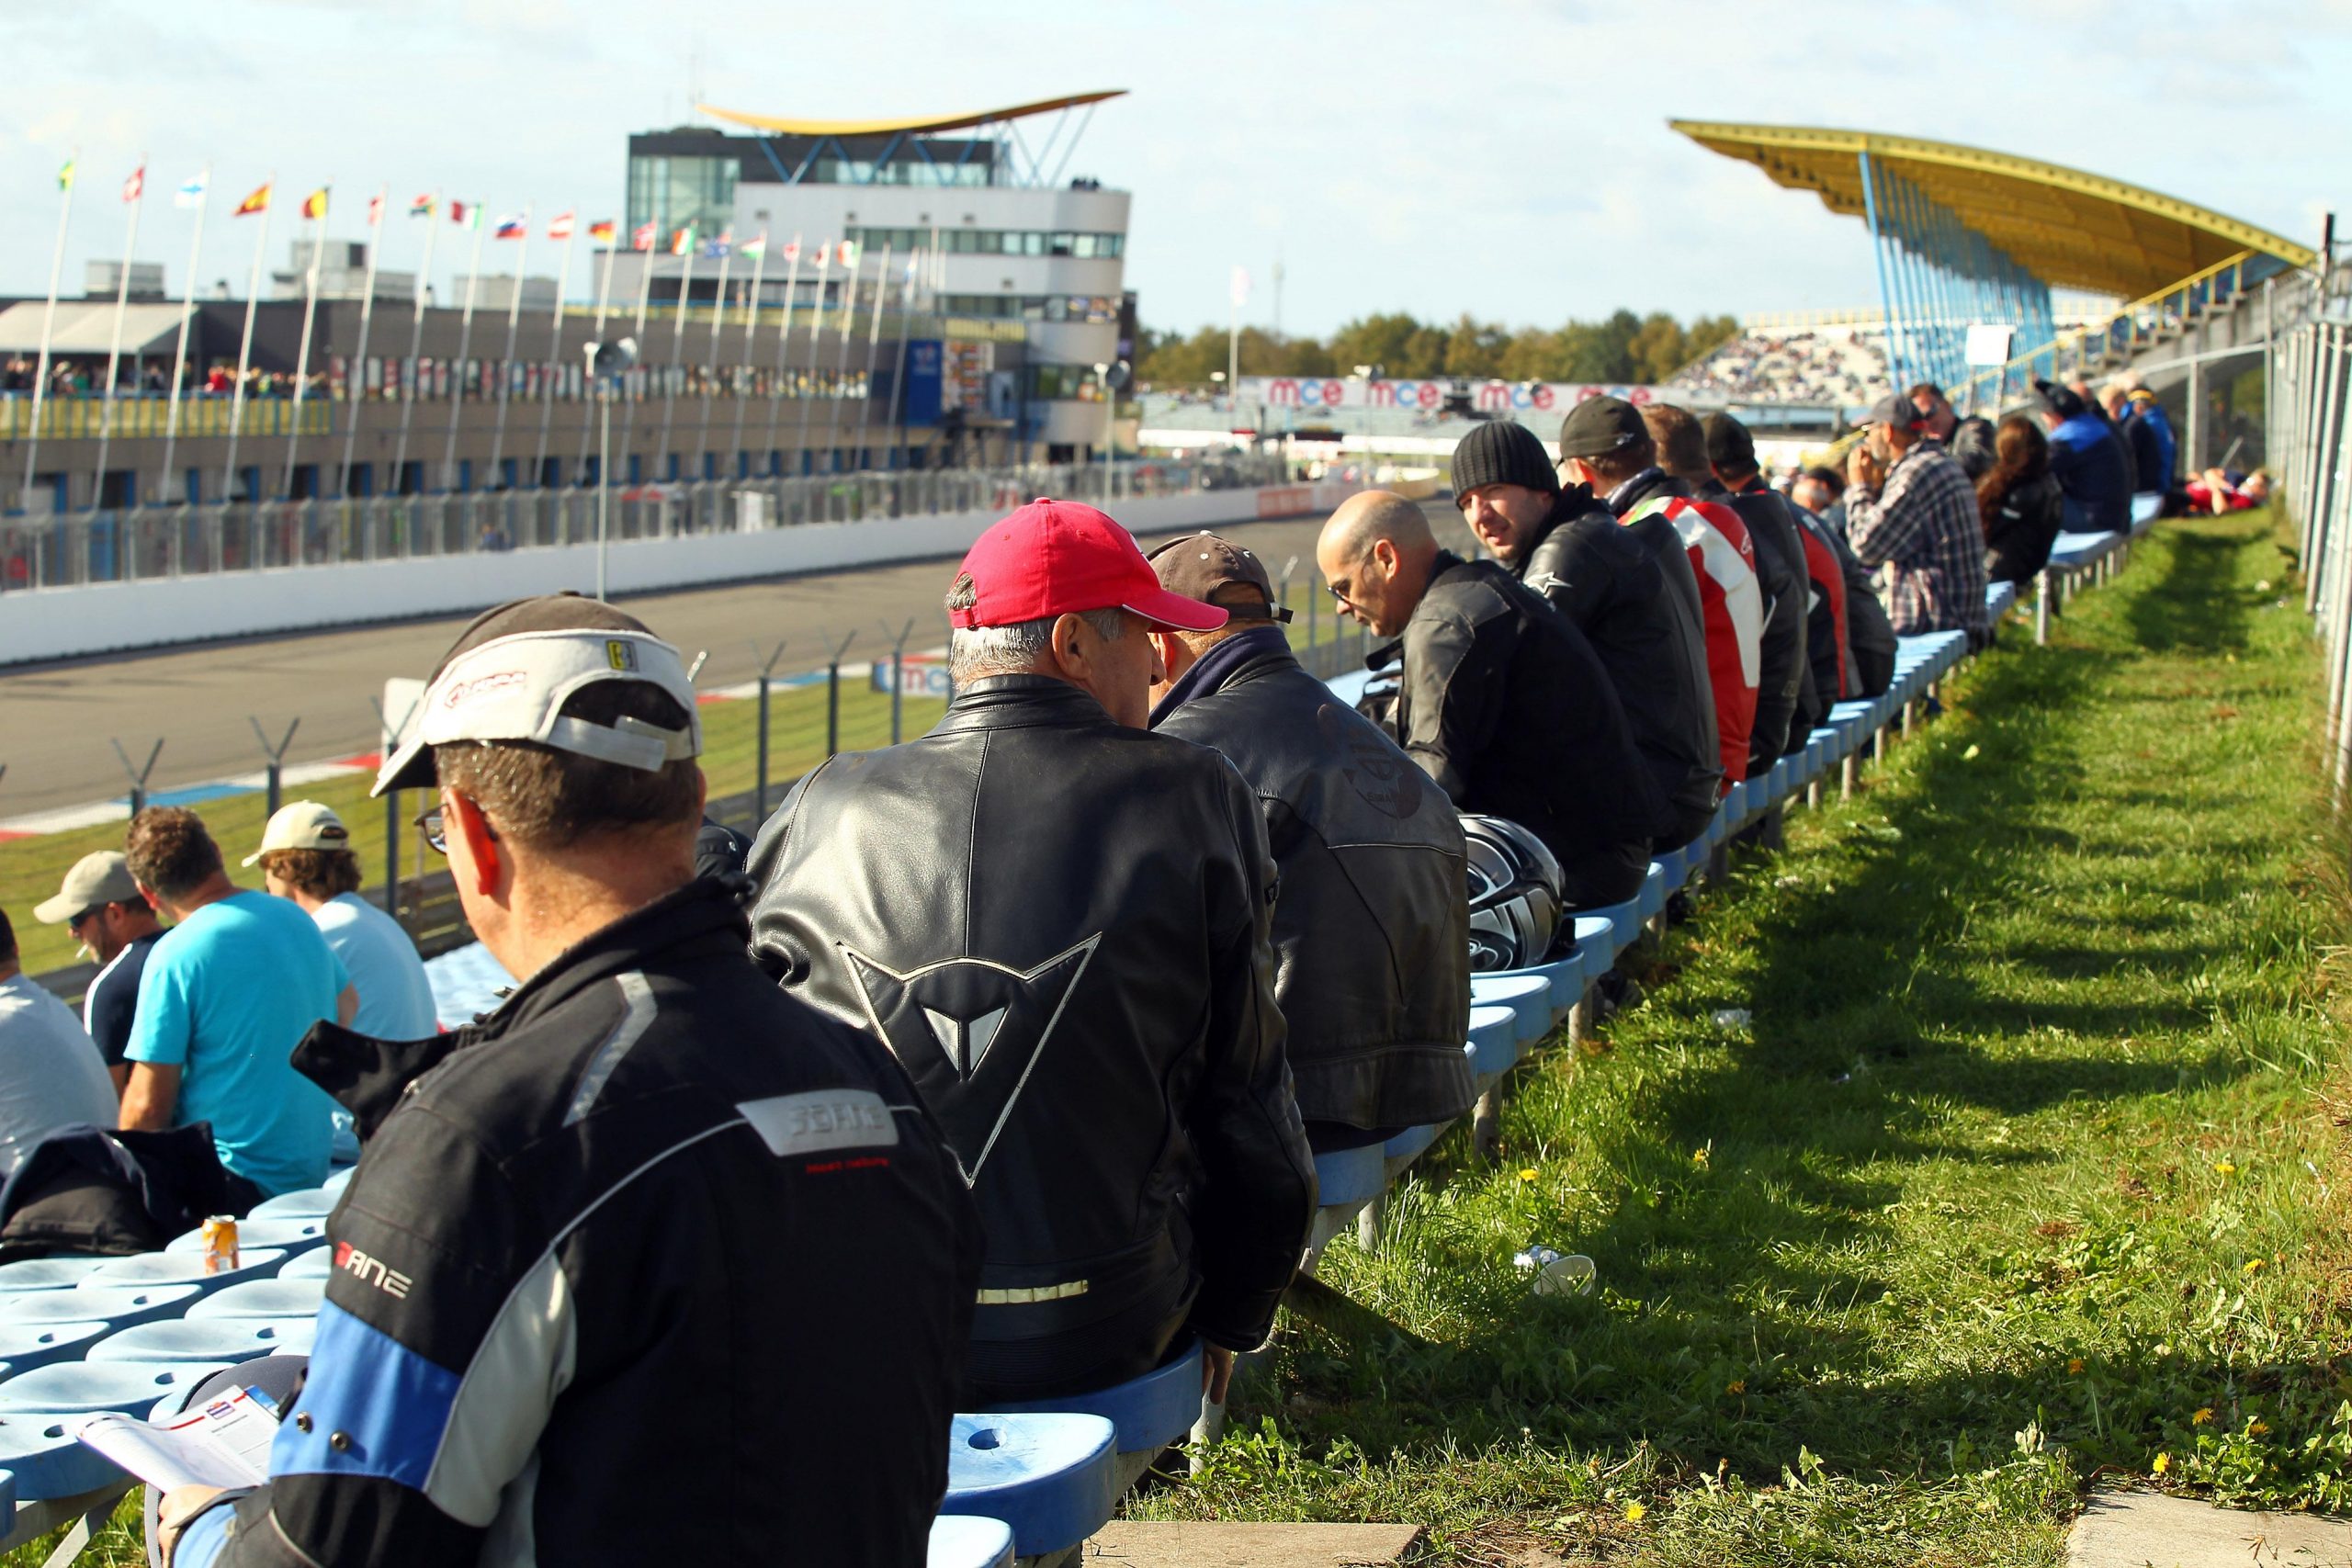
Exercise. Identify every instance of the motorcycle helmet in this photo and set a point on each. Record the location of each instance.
(1515, 895)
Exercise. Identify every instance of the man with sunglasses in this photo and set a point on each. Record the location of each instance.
(653, 1263)
(101, 907)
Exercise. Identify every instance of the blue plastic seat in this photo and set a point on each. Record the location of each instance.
(309, 1204)
(337, 1179)
(288, 1234)
(1048, 1476)
(121, 1306)
(1653, 890)
(315, 1264)
(1147, 1413)
(39, 1450)
(1348, 1176)
(1494, 1031)
(208, 1339)
(264, 1298)
(184, 1268)
(966, 1540)
(1563, 978)
(24, 1346)
(131, 1388)
(1529, 995)
(47, 1273)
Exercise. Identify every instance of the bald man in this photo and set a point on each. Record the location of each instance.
(1502, 701)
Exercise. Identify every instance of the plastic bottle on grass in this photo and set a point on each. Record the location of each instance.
(1556, 1273)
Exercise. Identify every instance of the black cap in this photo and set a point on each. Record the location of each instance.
(1197, 565)
(2063, 401)
(1599, 425)
(1897, 409)
(1728, 444)
(1502, 452)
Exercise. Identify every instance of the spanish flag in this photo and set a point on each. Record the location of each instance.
(315, 204)
(258, 202)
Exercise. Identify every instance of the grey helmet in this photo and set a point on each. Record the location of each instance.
(1515, 895)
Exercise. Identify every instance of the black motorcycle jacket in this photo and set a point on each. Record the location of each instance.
(1060, 926)
(1372, 943)
(653, 1263)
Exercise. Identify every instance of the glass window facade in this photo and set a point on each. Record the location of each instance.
(1096, 309)
(996, 242)
(673, 192)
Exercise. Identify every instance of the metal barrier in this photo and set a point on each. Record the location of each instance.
(2310, 443)
(147, 542)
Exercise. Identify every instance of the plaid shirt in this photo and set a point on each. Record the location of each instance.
(1926, 525)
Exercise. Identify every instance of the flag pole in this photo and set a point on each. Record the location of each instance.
(873, 354)
(412, 384)
(816, 329)
(179, 356)
(604, 292)
(644, 300)
(302, 355)
(906, 329)
(114, 349)
(783, 341)
(465, 346)
(507, 359)
(245, 353)
(355, 379)
(677, 352)
(751, 325)
(841, 360)
(48, 326)
(555, 353)
(718, 324)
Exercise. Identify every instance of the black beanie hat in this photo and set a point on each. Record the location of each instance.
(1729, 445)
(2061, 401)
(1502, 452)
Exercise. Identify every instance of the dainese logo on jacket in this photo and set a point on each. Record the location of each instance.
(1387, 778)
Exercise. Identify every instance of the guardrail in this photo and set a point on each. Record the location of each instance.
(2310, 443)
(149, 543)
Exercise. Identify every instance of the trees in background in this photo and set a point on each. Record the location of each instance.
(1622, 347)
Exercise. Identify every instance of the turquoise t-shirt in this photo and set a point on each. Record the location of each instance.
(226, 996)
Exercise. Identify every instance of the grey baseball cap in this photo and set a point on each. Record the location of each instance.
(102, 876)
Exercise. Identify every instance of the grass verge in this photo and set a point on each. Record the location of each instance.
(2024, 1171)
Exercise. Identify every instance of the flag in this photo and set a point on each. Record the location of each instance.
(375, 211)
(136, 185)
(754, 248)
(792, 249)
(848, 256)
(643, 238)
(508, 227)
(681, 244)
(258, 202)
(191, 192)
(602, 231)
(560, 226)
(65, 176)
(421, 207)
(466, 214)
(315, 204)
(721, 245)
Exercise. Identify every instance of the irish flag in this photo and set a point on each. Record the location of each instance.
(681, 244)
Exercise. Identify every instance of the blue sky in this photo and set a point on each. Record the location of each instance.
(1508, 158)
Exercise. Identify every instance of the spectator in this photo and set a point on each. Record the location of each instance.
(2216, 492)
(1730, 452)
(1786, 708)
(101, 907)
(51, 1075)
(306, 856)
(1060, 925)
(2020, 503)
(1502, 700)
(1822, 492)
(2147, 432)
(579, 1257)
(1935, 412)
(1371, 932)
(2089, 460)
(224, 998)
(1630, 592)
(1909, 507)
(1606, 446)
(2098, 409)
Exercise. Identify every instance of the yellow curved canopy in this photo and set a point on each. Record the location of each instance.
(920, 125)
(2069, 229)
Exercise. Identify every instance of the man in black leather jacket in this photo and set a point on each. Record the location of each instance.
(1502, 701)
(1631, 592)
(1060, 924)
(649, 1229)
(1786, 708)
(1372, 939)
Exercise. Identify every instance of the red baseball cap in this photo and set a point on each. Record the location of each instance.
(1060, 557)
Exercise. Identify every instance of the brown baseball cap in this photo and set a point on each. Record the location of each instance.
(1197, 565)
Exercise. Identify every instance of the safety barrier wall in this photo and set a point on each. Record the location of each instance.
(2310, 454)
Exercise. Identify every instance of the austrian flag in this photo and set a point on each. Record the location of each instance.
(560, 226)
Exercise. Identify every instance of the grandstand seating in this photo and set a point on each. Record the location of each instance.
(80, 1334)
(1837, 365)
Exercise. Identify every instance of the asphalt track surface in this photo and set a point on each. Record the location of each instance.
(56, 720)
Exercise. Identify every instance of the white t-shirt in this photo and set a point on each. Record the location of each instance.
(395, 998)
(50, 1073)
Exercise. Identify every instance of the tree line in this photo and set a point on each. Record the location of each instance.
(1621, 347)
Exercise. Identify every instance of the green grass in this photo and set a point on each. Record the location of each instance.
(2023, 1173)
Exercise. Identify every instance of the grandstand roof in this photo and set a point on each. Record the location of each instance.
(2069, 229)
(916, 126)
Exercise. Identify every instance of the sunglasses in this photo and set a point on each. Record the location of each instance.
(430, 823)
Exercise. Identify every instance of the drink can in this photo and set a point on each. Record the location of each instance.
(220, 1244)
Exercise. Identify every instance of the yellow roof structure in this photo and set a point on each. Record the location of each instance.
(2067, 228)
(917, 126)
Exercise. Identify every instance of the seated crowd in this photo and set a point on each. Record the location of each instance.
(1020, 1038)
